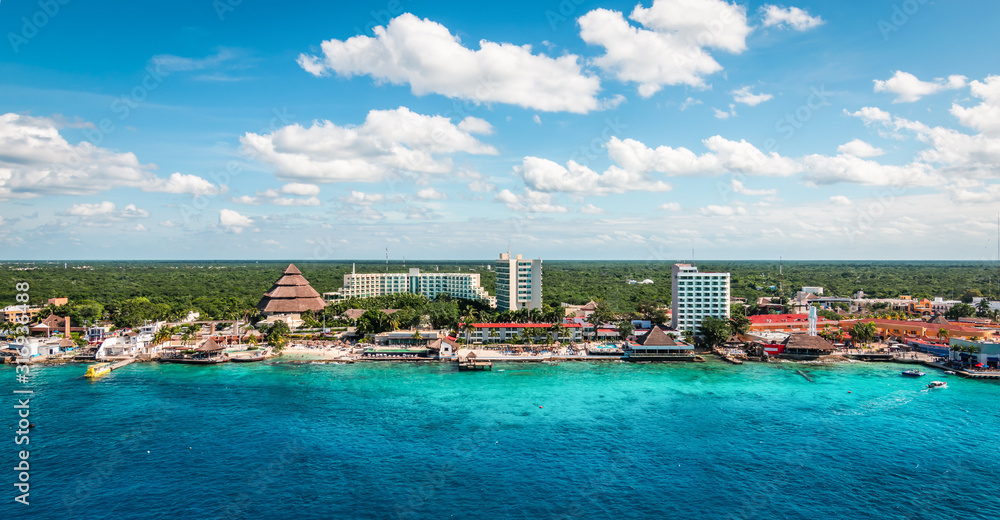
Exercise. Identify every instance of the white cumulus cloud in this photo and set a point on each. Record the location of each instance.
(36, 160)
(985, 116)
(90, 210)
(428, 57)
(671, 47)
(389, 141)
(530, 201)
(859, 148)
(548, 176)
(789, 17)
(908, 88)
(746, 97)
(431, 194)
(234, 221)
(105, 211)
(591, 209)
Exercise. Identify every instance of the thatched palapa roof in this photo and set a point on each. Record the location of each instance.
(807, 342)
(939, 320)
(291, 294)
(656, 337)
(210, 346)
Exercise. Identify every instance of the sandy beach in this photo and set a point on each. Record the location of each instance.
(302, 353)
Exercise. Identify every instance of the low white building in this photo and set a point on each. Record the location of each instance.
(941, 306)
(510, 332)
(130, 344)
(369, 285)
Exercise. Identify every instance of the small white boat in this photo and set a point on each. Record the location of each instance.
(949, 372)
(912, 373)
(937, 384)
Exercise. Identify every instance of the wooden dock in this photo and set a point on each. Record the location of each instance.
(125, 362)
(964, 373)
(871, 357)
(471, 364)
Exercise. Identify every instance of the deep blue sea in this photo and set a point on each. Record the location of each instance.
(526, 441)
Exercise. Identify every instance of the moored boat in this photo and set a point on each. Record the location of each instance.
(98, 370)
(259, 356)
(913, 373)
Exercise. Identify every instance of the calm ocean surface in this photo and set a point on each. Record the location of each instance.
(576, 440)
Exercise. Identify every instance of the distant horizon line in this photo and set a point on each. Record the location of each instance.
(474, 260)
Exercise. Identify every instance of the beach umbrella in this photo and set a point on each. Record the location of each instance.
(979, 365)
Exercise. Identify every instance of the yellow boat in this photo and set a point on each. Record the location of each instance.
(98, 370)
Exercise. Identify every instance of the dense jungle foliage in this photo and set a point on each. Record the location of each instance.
(129, 292)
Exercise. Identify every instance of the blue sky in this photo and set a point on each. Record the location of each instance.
(566, 130)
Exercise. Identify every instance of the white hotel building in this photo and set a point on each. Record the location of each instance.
(369, 285)
(519, 283)
(697, 295)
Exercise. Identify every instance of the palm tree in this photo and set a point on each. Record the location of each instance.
(943, 333)
(557, 314)
(983, 308)
(468, 327)
(493, 333)
(556, 328)
(864, 332)
(535, 316)
(161, 335)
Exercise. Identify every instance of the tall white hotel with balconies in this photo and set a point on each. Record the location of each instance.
(519, 283)
(697, 295)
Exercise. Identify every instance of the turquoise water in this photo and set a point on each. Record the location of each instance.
(526, 441)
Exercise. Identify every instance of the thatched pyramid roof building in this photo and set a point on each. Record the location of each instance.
(656, 337)
(291, 294)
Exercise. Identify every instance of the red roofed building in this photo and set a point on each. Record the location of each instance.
(922, 329)
(786, 323)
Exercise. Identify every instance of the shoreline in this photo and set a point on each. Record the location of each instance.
(341, 355)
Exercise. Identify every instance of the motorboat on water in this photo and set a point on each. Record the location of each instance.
(937, 384)
(97, 370)
(949, 372)
(913, 373)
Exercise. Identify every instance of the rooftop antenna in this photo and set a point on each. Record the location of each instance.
(404, 262)
(812, 321)
(781, 280)
(387, 259)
